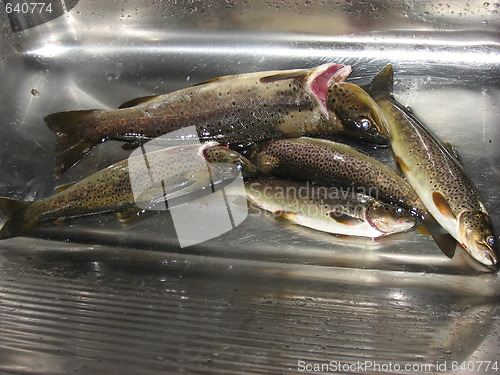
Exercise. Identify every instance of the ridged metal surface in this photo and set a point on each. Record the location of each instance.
(91, 297)
(133, 311)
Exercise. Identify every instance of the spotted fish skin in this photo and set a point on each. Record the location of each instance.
(328, 209)
(437, 177)
(110, 189)
(240, 108)
(334, 164)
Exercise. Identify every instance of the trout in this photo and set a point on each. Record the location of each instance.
(329, 209)
(240, 108)
(170, 173)
(437, 176)
(334, 164)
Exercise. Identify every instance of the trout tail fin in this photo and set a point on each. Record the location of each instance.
(16, 223)
(68, 128)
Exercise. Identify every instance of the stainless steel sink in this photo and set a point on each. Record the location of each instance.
(267, 297)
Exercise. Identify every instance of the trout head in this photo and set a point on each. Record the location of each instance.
(224, 156)
(358, 113)
(476, 236)
(388, 218)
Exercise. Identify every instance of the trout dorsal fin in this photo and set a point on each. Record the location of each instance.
(284, 76)
(137, 101)
(211, 80)
(382, 84)
(219, 79)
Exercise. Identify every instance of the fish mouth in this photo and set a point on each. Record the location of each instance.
(480, 266)
(491, 258)
(382, 139)
(486, 255)
(493, 268)
(388, 225)
(486, 258)
(403, 226)
(383, 127)
(380, 134)
(247, 169)
(379, 139)
(481, 257)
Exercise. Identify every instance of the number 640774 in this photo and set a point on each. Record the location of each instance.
(28, 8)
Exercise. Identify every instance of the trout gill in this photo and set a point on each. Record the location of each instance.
(239, 108)
(437, 177)
(328, 209)
(183, 170)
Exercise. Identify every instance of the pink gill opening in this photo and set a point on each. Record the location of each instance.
(322, 78)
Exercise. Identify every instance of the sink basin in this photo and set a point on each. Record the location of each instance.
(91, 296)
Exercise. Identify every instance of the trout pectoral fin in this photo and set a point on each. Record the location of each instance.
(422, 229)
(239, 200)
(344, 219)
(283, 76)
(137, 101)
(402, 165)
(59, 221)
(285, 214)
(446, 243)
(132, 214)
(430, 227)
(64, 187)
(442, 205)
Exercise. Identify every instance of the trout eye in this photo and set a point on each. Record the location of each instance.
(490, 240)
(365, 124)
(399, 210)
